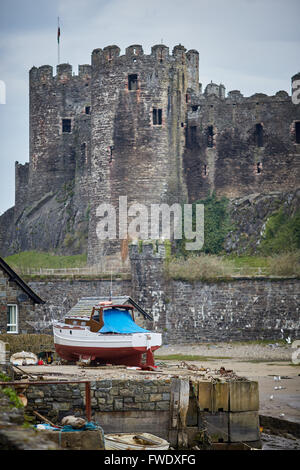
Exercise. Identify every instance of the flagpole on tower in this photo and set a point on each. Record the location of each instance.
(58, 40)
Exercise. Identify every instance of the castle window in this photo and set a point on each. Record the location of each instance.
(259, 135)
(195, 107)
(83, 151)
(87, 110)
(133, 82)
(205, 170)
(66, 126)
(258, 168)
(192, 132)
(297, 132)
(157, 117)
(210, 136)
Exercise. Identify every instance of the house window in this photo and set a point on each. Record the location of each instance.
(297, 132)
(157, 117)
(132, 82)
(66, 126)
(87, 110)
(259, 135)
(12, 319)
(210, 136)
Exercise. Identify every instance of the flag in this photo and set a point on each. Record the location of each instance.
(58, 34)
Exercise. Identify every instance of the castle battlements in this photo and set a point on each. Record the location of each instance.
(159, 51)
(63, 72)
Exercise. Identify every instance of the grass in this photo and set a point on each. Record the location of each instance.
(36, 259)
(197, 268)
(206, 267)
(183, 357)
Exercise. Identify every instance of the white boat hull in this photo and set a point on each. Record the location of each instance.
(73, 343)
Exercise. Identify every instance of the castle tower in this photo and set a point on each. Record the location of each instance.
(139, 105)
(58, 104)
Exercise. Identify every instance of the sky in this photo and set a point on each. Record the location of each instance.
(249, 45)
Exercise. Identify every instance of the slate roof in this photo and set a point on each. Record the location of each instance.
(13, 276)
(84, 306)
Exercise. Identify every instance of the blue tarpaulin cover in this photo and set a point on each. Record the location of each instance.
(119, 321)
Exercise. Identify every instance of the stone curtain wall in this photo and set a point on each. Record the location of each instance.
(236, 161)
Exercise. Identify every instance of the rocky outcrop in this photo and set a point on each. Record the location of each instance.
(250, 214)
(57, 222)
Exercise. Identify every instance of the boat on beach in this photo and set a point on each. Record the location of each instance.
(108, 334)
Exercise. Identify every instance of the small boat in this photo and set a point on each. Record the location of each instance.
(23, 358)
(133, 441)
(108, 335)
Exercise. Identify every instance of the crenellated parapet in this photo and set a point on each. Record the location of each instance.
(159, 52)
(64, 72)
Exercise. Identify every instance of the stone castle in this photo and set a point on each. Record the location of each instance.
(140, 125)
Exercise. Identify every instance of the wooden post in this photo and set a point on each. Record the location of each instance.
(88, 401)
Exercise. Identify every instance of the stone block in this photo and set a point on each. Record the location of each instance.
(162, 405)
(244, 396)
(156, 397)
(244, 427)
(205, 396)
(220, 396)
(217, 425)
(78, 440)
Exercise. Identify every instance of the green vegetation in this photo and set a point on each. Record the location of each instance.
(282, 233)
(216, 226)
(202, 267)
(34, 260)
(212, 267)
(13, 397)
(10, 392)
(4, 377)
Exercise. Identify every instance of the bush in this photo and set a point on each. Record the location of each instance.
(216, 226)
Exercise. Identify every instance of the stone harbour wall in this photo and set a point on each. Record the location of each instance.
(106, 395)
(185, 312)
(233, 309)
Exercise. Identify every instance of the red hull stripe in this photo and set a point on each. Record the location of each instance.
(120, 356)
